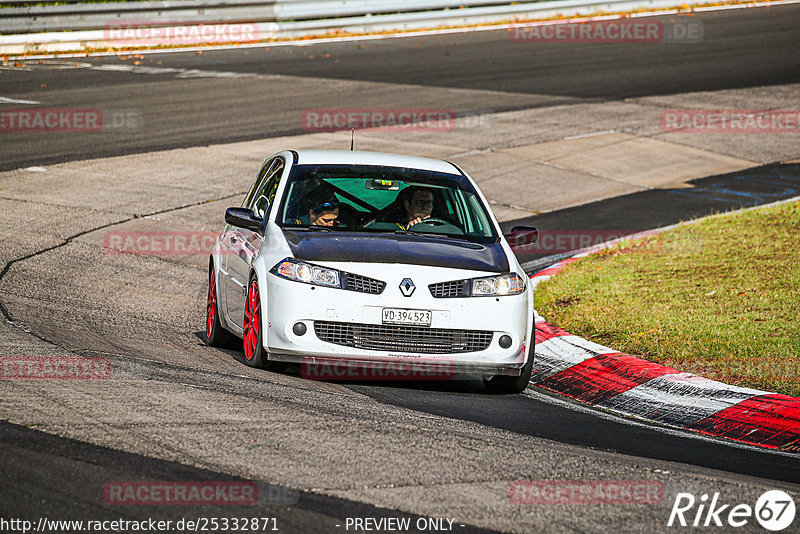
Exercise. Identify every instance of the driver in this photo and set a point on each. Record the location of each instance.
(418, 204)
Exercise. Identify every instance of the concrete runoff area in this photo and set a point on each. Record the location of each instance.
(172, 399)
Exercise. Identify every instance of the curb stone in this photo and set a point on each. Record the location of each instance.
(601, 376)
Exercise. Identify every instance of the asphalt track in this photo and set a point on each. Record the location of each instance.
(471, 73)
(740, 51)
(34, 493)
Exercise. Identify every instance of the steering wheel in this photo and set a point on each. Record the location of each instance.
(433, 221)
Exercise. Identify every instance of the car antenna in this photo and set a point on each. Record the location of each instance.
(352, 138)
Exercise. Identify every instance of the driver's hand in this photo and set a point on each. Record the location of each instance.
(412, 222)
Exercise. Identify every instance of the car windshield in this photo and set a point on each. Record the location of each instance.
(364, 198)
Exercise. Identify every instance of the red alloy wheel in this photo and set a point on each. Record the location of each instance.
(211, 308)
(252, 320)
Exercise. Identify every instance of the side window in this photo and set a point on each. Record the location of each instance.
(265, 197)
(479, 224)
(455, 209)
(251, 195)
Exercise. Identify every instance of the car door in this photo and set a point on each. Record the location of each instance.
(230, 290)
(243, 244)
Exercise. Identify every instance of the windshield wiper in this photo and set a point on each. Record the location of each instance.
(429, 234)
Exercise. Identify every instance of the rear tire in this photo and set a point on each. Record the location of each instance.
(507, 385)
(216, 335)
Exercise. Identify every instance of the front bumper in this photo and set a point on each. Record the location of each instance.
(449, 343)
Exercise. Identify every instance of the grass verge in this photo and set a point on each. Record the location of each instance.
(719, 298)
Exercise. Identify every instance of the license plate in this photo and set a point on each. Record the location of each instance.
(403, 316)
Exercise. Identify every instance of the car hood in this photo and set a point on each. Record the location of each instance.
(394, 248)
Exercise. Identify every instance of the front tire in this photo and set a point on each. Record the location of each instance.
(254, 353)
(507, 385)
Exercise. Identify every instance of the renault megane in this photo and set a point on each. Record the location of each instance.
(363, 257)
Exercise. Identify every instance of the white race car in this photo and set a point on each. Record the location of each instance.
(371, 259)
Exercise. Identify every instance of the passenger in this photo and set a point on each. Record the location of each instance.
(325, 213)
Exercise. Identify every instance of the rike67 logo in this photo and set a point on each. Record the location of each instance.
(774, 510)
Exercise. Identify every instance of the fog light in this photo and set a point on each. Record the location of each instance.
(505, 341)
(299, 329)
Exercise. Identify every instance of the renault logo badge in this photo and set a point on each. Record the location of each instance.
(407, 287)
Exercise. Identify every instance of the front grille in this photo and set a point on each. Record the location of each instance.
(454, 288)
(402, 338)
(356, 282)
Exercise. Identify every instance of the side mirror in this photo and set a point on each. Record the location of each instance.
(243, 218)
(522, 236)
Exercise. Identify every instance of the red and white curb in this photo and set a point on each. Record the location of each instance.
(624, 384)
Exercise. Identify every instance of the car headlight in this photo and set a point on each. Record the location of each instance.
(308, 273)
(490, 286)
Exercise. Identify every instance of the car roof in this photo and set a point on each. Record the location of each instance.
(361, 157)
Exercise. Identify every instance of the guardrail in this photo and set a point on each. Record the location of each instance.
(114, 25)
(96, 16)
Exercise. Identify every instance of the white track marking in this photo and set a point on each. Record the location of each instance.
(6, 100)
